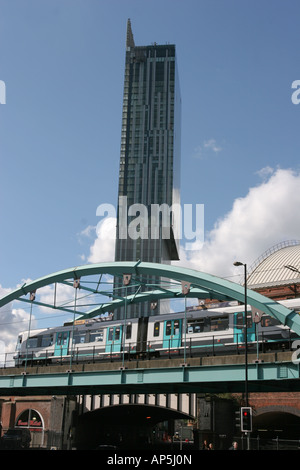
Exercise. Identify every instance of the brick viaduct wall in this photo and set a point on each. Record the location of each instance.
(55, 412)
(12, 407)
(284, 402)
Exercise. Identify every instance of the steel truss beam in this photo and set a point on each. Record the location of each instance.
(263, 377)
(201, 285)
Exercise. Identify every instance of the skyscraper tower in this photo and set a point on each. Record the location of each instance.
(149, 159)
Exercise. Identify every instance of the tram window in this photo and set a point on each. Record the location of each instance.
(221, 323)
(79, 337)
(117, 333)
(195, 326)
(172, 328)
(110, 334)
(176, 327)
(18, 346)
(114, 333)
(96, 336)
(32, 342)
(128, 330)
(47, 340)
(62, 338)
(168, 328)
(65, 338)
(240, 320)
(156, 328)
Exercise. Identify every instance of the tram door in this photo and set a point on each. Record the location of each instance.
(62, 343)
(239, 330)
(141, 343)
(172, 333)
(114, 339)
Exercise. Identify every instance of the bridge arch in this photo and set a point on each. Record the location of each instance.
(200, 285)
(276, 421)
(277, 409)
(124, 425)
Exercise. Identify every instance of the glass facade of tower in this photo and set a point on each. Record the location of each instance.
(149, 159)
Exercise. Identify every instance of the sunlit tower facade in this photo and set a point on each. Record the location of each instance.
(149, 173)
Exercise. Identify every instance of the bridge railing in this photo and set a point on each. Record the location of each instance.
(263, 443)
(214, 345)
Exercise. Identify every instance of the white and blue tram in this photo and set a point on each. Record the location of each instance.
(204, 331)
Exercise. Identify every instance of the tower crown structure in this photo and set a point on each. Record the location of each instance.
(129, 35)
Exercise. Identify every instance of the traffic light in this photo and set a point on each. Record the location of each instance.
(246, 419)
(237, 420)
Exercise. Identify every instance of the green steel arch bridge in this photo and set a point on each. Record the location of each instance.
(96, 294)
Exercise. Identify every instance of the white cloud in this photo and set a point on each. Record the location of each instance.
(265, 172)
(206, 148)
(89, 231)
(212, 145)
(64, 295)
(103, 248)
(267, 215)
(13, 321)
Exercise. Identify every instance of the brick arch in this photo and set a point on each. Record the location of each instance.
(259, 411)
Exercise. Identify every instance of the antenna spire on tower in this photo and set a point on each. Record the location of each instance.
(129, 35)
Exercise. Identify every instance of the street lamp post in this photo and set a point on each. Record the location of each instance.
(238, 263)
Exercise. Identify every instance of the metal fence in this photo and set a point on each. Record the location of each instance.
(259, 443)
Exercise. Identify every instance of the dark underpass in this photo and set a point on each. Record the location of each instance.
(277, 424)
(128, 426)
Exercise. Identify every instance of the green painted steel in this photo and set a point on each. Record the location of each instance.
(271, 376)
(148, 296)
(180, 379)
(202, 285)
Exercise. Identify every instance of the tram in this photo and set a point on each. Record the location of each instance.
(201, 330)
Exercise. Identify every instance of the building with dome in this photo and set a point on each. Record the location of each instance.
(276, 273)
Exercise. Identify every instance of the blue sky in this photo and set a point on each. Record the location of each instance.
(62, 62)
